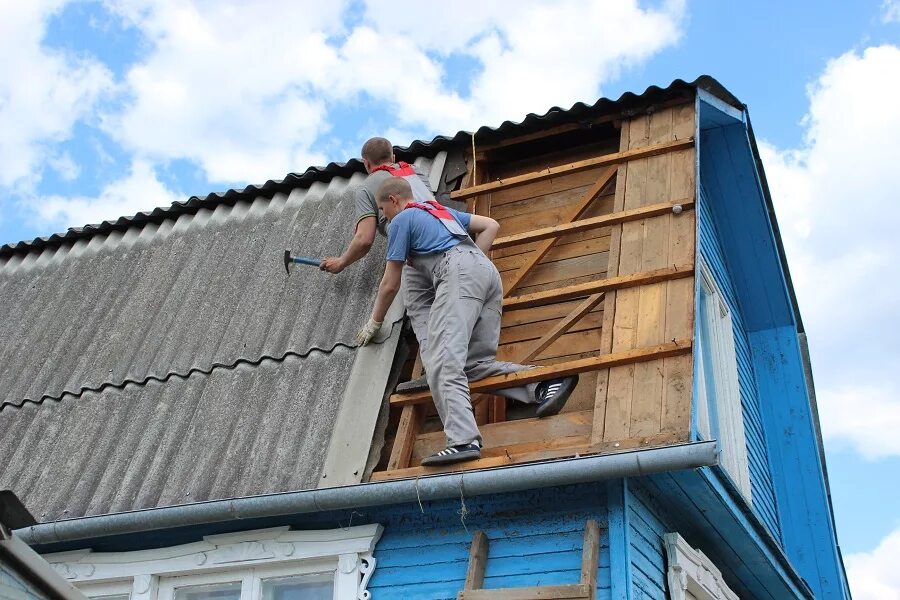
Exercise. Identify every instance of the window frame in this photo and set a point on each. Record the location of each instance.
(690, 570)
(344, 555)
(720, 412)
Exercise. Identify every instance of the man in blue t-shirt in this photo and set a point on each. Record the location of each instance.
(463, 305)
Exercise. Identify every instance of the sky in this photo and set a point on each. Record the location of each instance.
(109, 108)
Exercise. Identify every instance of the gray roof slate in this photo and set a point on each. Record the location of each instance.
(234, 432)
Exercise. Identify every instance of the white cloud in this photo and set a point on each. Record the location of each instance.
(140, 190)
(890, 11)
(243, 90)
(874, 575)
(838, 203)
(245, 93)
(540, 55)
(43, 93)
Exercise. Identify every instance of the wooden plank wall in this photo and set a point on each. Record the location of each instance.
(574, 258)
(650, 401)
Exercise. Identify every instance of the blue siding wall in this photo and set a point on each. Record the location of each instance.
(646, 528)
(535, 538)
(757, 454)
(13, 586)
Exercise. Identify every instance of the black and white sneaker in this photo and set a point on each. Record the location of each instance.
(413, 385)
(453, 454)
(553, 393)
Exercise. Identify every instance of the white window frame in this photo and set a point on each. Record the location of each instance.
(344, 555)
(719, 411)
(691, 571)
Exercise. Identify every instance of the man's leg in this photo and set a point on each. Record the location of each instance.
(481, 363)
(451, 320)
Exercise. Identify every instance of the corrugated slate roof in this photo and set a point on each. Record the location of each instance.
(178, 362)
(234, 432)
(207, 289)
(626, 103)
(166, 357)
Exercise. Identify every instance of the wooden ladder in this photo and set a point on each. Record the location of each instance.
(586, 589)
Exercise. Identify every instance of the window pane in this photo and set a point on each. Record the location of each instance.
(298, 588)
(218, 591)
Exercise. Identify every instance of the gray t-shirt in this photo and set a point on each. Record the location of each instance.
(365, 197)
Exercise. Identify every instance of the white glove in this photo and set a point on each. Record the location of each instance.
(368, 331)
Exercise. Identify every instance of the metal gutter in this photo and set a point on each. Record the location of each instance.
(516, 478)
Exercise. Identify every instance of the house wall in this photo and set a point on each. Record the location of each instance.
(535, 538)
(714, 256)
(13, 587)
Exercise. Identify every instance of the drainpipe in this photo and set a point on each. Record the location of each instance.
(501, 480)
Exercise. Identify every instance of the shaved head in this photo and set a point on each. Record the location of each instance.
(394, 186)
(378, 151)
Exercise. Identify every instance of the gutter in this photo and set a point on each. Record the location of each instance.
(500, 480)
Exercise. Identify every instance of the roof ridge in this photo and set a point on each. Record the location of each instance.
(334, 169)
(216, 366)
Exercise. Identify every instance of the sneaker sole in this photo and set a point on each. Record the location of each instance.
(552, 407)
(434, 461)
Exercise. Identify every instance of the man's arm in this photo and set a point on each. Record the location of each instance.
(387, 289)
(485, 230)
(359, 247)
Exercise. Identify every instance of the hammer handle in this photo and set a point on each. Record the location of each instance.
(305, 260)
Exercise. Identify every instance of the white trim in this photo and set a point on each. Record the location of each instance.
(345, 554)
(718, 384)
(691, 571)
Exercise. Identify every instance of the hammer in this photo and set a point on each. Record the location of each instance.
(301, 260)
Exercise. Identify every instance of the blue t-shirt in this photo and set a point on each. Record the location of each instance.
(415, 231)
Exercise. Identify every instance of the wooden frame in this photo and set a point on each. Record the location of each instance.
(627, 324)
(586, 589)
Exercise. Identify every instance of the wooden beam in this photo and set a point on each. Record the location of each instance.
(562, 327)
(530, 453)
(575, 591)
(615, 218)
(484, 150)
(590, 557)
(477, 562)
(595, 287)
(407, 430)
(674, 348)
(535, 256)
(606, 159)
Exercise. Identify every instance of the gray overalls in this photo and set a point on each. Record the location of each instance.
(460, 310)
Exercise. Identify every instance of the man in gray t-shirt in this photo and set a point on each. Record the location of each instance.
(378, 159)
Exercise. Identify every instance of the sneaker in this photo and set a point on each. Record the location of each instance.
(453, 454)
(414, 385)
(553, 393)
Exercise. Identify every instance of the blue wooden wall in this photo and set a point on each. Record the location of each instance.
(647, 524)
(741, 222)
(713, 255)
(535, 538)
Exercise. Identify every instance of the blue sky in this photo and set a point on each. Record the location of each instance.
(107, 108)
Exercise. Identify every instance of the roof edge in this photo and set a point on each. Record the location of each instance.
(497, 480)
(626, 104)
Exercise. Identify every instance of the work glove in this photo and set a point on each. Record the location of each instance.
(368, 331)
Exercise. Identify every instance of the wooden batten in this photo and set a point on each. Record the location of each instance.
(596, 256)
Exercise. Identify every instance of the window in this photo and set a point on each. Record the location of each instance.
(719, 412)
(267, 564)
(691, 574)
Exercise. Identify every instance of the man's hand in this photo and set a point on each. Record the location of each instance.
(332, 264)
(368, 332)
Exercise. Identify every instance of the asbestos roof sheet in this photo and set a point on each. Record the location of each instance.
(240, 431)
(178, 362)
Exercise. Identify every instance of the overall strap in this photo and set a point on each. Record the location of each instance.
(443, 215)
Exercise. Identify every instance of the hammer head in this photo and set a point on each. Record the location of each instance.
(287, 261)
